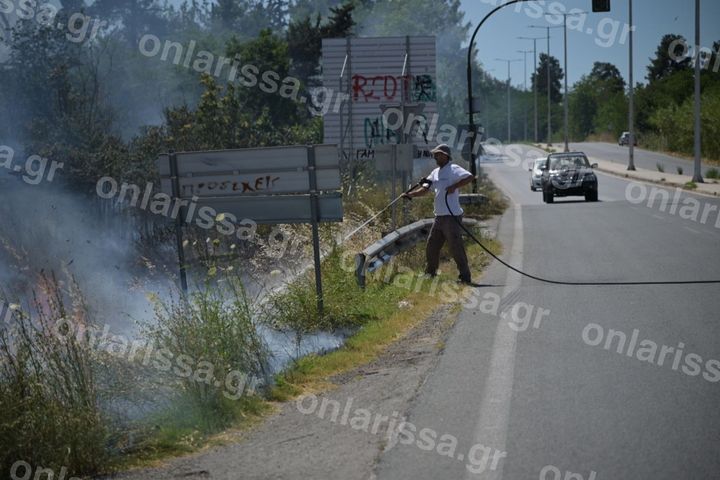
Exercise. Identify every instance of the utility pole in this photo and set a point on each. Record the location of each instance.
(509, 114)
(470, 52)
(486, 103)
(631, 95)
(535, 92)
(549, 81)
(525, 52)
(566, 107)
(697, 175)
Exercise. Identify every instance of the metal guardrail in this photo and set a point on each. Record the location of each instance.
(393, 244)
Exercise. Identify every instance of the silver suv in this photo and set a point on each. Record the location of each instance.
(569, 174)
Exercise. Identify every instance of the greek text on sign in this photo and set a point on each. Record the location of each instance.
(267, 185)
(271, 171)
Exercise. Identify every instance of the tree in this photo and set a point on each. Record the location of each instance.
(609, 76)
(137, 17)
(612, 114)
(226, 13)
(668, 58)
(597, 101)
(246, 18)
(305, 40)
(539, 78)
(301, 9)
(269, 54)
(583, 108)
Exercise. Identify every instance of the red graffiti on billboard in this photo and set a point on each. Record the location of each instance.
(391, 87)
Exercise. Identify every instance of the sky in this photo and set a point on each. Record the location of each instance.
(606, 43)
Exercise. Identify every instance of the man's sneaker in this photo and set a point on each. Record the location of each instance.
(464, 281)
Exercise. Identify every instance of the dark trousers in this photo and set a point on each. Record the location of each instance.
(446, 228)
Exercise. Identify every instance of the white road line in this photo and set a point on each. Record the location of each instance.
(659, 217)
(691, 230)
(494, 414)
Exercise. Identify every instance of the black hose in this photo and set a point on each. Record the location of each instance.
(560, 282)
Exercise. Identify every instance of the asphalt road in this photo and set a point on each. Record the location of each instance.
(643, 158)
(545, 402)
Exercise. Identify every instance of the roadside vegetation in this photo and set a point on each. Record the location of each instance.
(69, 399)
(664, 109)
(103, 109)
(49, 388)
(72, 395)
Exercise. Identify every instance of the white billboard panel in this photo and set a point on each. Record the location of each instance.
(379, 72)
(267, 185)
(277, 209)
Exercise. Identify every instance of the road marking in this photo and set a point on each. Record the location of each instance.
(659, 217)
(692, 230)
(494, 414)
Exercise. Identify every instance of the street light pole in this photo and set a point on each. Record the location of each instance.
(525, 52)
(566, 107)
(547, 66)
(535, 92)
(473, 165)
(509, 114)
(486, 109)
(697, 174)
(549, 80)
(631, 95)
(536, 96)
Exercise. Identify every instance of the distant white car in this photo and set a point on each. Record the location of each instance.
(536, 174)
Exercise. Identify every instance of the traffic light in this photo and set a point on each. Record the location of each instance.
(601, 5)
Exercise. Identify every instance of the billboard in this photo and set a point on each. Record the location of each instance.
(266, 185)
(377, 74)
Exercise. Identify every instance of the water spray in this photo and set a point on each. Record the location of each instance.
(424, 182)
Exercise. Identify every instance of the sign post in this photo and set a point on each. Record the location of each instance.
(314, 206)
(178, 221)
(298, 184)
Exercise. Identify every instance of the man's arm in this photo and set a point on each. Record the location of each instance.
(418, 191)
(460, 183)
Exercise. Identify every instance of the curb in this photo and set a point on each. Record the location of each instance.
(636, 176)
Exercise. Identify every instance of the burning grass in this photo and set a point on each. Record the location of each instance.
(71, 398)
(49, 396)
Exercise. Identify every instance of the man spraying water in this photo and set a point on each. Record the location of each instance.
(449, 178)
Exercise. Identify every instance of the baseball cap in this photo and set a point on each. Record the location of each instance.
(442, 148)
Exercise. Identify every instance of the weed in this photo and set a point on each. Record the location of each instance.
(49, 408)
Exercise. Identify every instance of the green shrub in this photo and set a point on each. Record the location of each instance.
(345, 304)
(214, 328)
(712, 173)
(49, 398)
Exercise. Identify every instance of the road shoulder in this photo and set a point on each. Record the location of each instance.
(305, 442)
